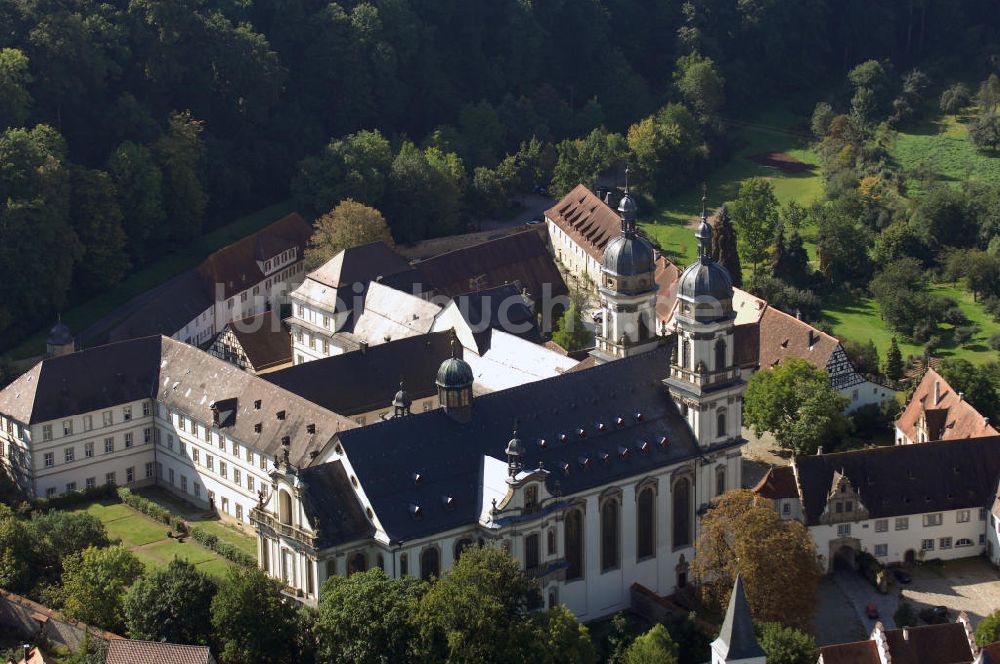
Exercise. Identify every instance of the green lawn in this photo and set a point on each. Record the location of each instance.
(941, 146)
(773, 131)
(197, 516)
(148, 539)
(86, 313)
(858, 320)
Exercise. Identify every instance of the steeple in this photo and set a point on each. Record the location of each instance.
(704, 233)
(627, 209)
(737, 643)
(401, 402)
(515, 455)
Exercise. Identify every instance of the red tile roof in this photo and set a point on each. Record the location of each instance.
(783, 336)
(930, 644)
(948, 418)
(778, 483)
(235, 266)
(859, 652)
(587, 219)
(667, 277)
(151, 652)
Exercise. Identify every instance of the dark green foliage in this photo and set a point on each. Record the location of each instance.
(786, 645)
(138, 185)
(755, 216)
(724, 250)
(65, 533)
(179, 154)
(15, 77)
(901, 292)
(842, 244)
(955, 98)
(905, 615)
(94, 583)
(988, 629)
(791, 300)
(355, 166)
(225, 549)
(570, 332)
(894, 361)
(653, 647)
(863, 355)
(173, 605)
(790, 260)
(582, 160)
(97, 220)
(980, 384)
(246, 600)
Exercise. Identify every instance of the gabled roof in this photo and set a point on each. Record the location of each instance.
(779, 483)
(746, 345)
(737, 640)
(391, 314)
(497, 308)
(588, 220)
(365, 380)
(783, 336)
(167, 309)
(522, 258)
(127, 651)
(235, 266)
(906, 479)
(947, 643)
(551, 414)
(360, 264)
(264, 339)
(950, 417)
(183, 378)
(667, 277)
(332, 505)
(858, 652)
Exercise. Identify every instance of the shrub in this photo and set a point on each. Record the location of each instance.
(224, 549)
(905, 616)
(146, 506)
(994, 341)
(955, 316)
(992, 307)
(964, 333)
(72, 498)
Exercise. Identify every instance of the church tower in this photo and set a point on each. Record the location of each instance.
(704, 378)
(737, 643)
(627, 291)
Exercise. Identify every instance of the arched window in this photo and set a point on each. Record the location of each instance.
(461, 545)
(645, 523)
(685, 352)
(285, 507)
(720, 355)
(682, 512)
(356, 563)
(720, 423)
(430, 563)
(573, 545)
(720, 480)
(609, 534)
(551, 543)
(404, 564)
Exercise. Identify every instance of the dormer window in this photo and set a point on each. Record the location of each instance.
(415, 511)
(257, 428)
(256, 404)
(311, 428)
(281, 414)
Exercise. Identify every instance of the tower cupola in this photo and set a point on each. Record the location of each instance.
(454, 383)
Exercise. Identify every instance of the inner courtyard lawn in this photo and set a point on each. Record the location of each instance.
(243, 539)
(148, 540)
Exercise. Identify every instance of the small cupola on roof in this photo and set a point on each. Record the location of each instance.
(401, 402)
(705, 287)
(515, 455)
(454, 383)
(629, 254)
(60, 340)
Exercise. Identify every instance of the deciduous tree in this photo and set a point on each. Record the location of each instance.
(94, 584)
(139, 188)
(653, 647)
(15, 100)
(775, 557)
(97, 219)
(796, 403)
(179, 153)
(700, 83)
(252, 621)
(172, 605)
(755, 216)
(350, 224)
(786, 645)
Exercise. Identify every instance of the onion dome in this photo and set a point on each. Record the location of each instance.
(454, 372)
(629, 254)
(60, 335)
(705, 278)
(402, 398)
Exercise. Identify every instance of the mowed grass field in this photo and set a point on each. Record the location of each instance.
(771, 132)
(148, 540)
(198, 517)
(941, 146)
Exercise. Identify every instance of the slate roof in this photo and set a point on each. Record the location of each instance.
(778, 483)
(551, 413)
(183, 378)
(235, 266)
(482, 312)
(360, 265)
(264, 340)
(361, 381)
(906, 479)
(168, 309)
(783, 336)
(521, 258)
(127, 651)
(588, 220)
(950, 418)
(331, 503)
(737, 640)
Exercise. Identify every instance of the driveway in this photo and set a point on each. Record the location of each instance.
(970, 584)
(837, 621)
(530, 206)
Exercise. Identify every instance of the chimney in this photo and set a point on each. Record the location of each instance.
(961, 396)
(364, 347)
(937, 392)
(607, 198)
(819, 450)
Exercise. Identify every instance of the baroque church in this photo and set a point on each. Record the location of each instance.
(593, 479)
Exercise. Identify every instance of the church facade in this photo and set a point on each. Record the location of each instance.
(593, 479)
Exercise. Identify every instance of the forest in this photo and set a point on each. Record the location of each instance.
(130, 128)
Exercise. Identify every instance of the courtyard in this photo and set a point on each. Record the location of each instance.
(968, 584)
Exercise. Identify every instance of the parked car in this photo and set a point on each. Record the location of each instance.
(535, 221)
(871, 611)
(902, 576)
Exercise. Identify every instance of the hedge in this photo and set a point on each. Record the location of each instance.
(71, 498)
(224, 549)
(151, 509)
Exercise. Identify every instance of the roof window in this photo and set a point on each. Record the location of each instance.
(280, 414)
(256, 404)
(258, 427)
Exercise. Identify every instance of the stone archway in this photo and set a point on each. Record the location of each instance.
(910, 557)
(843, 554)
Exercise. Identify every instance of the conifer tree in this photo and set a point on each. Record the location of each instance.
(724, 246)
(894, 361)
